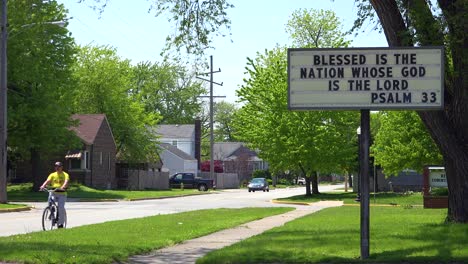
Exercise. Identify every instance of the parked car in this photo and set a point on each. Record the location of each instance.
(301, 181)
(188, 180)
(258, 184)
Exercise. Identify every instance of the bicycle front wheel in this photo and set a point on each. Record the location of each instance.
(48, 219)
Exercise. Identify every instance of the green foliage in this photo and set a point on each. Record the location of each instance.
(39, 79)
(196, 23)
(403, 142)
(310, 141)
(167, 89)
(103, 82)
(223, 117)
(261, 174)
(316, 29)
(317, 141)
(439, 191)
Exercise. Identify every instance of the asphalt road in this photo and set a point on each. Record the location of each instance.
(85, 213)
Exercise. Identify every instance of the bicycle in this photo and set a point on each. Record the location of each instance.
(50, 214)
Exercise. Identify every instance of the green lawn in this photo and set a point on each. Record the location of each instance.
(397, 234)
(402, 199)
(22, 192)
(114, 241)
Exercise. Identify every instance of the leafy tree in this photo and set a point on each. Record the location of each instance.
(305, 141)
(223, 115)
(39, 82)
(420, 23)
(316, 28)
(167, 90)
(103, 84)
(403, 142)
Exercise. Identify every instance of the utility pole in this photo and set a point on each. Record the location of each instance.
(3, 102)
(211, 111)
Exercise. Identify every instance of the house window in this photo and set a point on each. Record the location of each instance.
(81, 162)
(174, 143)
(75, 164)
(100, 158)
(86, 160)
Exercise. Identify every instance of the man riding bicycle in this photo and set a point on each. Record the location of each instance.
(59, 181)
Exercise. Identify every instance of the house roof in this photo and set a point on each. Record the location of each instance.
(407, 177)
(175, 131)
(89, 125)
(176, 151)
(252, 155)
(227, 150)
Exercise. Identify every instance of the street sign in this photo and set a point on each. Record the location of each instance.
(366, 78)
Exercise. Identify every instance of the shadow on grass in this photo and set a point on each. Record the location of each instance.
(388, 198)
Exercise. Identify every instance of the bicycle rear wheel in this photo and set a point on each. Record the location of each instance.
(48, 218)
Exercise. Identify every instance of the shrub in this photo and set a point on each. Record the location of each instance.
(261, 174)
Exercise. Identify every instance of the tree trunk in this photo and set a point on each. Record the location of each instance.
(36, 170)
(448, 127)
(307, 180)
(307, 185)
(314, 179)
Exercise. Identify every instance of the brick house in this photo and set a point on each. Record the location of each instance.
(94, 163)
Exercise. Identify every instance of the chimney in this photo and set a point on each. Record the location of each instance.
(198, 141)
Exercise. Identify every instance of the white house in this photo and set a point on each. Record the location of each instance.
(175, 160)
(179, 136)
(179, 147)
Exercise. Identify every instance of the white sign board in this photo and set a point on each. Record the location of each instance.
(366, 78)
(437, 177)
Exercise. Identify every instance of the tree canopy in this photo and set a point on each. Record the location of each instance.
(402, 142)
(103, 82)
(422, 23)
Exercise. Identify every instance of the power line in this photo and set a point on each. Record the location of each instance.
(211, 111)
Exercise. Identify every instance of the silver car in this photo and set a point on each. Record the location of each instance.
(258, 184)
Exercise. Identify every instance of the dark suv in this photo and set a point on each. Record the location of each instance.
(258, 184)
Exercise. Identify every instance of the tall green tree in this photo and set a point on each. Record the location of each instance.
(403, 142)
(309, 142)
(316, 28)
(169, 90)
(103, 85)
(224, 113)
(420, 23)
(39, 81)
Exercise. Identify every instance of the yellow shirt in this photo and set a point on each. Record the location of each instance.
(57, 179)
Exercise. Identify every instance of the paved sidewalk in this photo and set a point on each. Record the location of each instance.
(189, 251)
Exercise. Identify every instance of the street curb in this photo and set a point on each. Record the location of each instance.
(289, 202)
(12, 210)
(165, 197)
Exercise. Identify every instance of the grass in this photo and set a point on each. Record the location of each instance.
(9, 206)
(115, 241)
(387, 198)
(22, 192)
(333, 236)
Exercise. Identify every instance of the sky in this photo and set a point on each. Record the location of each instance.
(257, 25)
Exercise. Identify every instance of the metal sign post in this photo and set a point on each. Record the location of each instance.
(364, 182)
